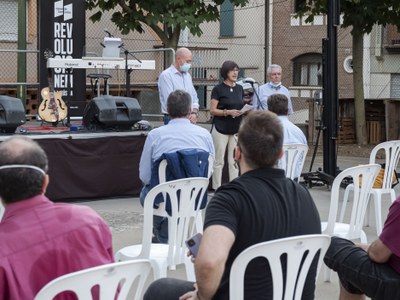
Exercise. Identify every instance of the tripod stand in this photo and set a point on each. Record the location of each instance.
(317, 178)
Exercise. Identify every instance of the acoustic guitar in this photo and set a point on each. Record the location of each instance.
(52, 109)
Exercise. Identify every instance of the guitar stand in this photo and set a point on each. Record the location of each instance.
(53, 124)
(68, 124)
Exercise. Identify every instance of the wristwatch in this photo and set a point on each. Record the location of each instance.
(195, 113)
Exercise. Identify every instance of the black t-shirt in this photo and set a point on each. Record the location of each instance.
(228, 98)
(259, 206)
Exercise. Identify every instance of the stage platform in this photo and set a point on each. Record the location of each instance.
(88, 165)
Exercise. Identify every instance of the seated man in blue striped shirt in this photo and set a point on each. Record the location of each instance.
(178, 134)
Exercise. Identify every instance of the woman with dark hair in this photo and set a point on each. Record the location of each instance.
(226, 103)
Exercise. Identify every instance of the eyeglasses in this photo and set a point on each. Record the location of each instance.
(235, 136)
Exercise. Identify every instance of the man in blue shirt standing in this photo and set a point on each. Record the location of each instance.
(176, 77)
(178, 134)
(273, 86)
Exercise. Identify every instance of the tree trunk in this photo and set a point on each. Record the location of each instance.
(171, 43)
(169, 37)
(358, 82)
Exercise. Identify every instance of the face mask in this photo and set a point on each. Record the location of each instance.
(275, 85)
(185, 67)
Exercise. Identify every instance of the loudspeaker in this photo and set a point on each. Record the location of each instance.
(76, 108)
(112, 112)
(12, 114)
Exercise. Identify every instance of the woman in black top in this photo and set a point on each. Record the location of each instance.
(226, 103)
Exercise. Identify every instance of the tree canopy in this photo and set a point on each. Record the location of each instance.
(361, 15)
(166, 17)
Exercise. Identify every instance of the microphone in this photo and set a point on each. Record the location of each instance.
(249, 80)
(109, 33)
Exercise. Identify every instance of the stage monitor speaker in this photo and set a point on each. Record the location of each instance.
(12, 114)
(112, 113)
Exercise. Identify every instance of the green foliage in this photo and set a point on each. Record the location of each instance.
(173, 15)
(361, 14)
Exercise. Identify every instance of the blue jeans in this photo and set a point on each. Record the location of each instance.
(160, 224)
(359, 274)
(168, 289)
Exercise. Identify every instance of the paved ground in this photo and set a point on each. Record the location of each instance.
(125, 219)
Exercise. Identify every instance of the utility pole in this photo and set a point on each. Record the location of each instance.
(21, 64)
(266, 39)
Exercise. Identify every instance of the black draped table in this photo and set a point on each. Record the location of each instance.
(85, 166)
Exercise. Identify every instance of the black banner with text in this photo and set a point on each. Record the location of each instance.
(62, 31)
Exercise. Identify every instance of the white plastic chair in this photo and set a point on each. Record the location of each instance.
(392, 156)
(295, 248)
(293, 159)
(184, 211)
(363, 177)
(111, 278)
(162, 170)
(1, 210)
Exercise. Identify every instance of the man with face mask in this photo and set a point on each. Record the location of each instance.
(42, 240)
(273, 86)
(177, 77)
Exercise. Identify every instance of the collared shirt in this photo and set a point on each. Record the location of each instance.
(42, 240)
(266, 90)
(292, 135)
(178, 134)
(170, 80)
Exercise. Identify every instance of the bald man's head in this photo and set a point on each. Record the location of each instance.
(21, 162)
(183, 56)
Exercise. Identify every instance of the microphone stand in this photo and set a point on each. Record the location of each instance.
(127, 70)
(258, 98)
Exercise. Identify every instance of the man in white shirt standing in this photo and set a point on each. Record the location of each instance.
(177, 77)
(273, 86)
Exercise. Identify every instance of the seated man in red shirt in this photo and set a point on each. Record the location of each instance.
(372, 270)
(41, 240)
